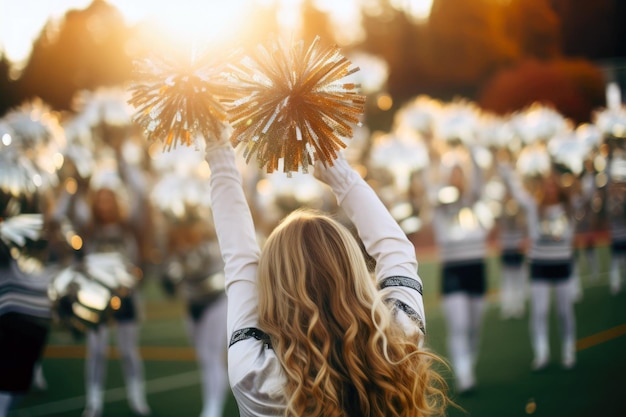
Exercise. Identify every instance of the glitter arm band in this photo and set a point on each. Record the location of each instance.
(383, 238)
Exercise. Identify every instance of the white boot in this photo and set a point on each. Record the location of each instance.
(95, 399)
(212, 410)
(136, 392)
(615, 280)
(465, 380)
(542, 356)
(568, 359)
(39, 379)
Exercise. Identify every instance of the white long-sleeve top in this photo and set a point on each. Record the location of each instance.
(616, 209)
(551, 230)
(256, 376)
(459, 234)
(616, 205)
(513, 231)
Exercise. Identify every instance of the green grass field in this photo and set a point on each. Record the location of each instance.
(507, 387)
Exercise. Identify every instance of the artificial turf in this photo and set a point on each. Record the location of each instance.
(506, 385)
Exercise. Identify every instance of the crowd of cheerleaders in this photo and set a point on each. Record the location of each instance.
(532, 177)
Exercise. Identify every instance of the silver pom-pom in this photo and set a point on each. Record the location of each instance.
(539, 123)
(37, 134)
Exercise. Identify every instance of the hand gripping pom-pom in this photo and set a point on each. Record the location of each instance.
(292, 106)
(176, 101)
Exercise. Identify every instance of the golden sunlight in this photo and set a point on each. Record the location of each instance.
(188, 21)
(185, 23)
(419, 10)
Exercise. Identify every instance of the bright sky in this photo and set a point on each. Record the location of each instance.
(21, 21)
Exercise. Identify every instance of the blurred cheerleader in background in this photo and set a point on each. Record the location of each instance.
(109, 232)
(611, 122)
(498, 134)
(548, 189)
(461, 224)
(30, 139)
(588, 215)
(192, 264)
(102, 212)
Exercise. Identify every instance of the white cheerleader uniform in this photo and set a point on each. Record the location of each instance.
(551, 263)
(256, 377)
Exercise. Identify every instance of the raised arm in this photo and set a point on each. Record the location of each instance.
(236, 236)
(477, 183)
(523, 197)
(384, 240)
(515, 186)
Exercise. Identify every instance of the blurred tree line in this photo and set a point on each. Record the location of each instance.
(504, 54)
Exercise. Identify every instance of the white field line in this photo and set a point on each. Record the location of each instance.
(161, 384)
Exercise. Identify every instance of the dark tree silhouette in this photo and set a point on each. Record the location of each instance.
(535, 27)
(590, 28)
(466, 42)
(461, 46)
(391, 35)
(86, 51)
(7, 94)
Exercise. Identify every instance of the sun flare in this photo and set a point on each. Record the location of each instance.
(186, 22)
(190, 20)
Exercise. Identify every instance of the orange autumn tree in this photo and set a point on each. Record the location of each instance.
(573, 87)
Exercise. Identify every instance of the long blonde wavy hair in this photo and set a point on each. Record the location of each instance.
(341, 350)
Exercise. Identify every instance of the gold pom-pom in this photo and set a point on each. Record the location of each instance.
(291, 104)
(178, 100)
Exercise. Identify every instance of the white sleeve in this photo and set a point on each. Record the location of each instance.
(477, 184)
(587, 190)
(523, 197)
(515, 186)
(384, 240)
(237, 238)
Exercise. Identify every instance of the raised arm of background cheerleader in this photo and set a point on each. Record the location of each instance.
(515, 186)
(236, 236)
(587, 190)
(477, 183)
(523, 197)
(384, 240)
